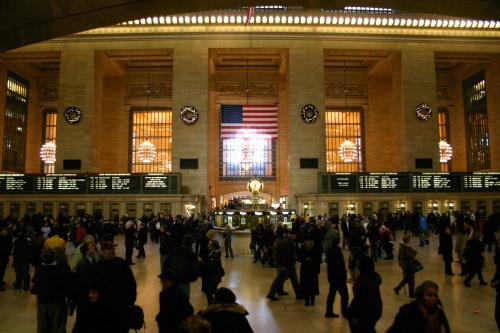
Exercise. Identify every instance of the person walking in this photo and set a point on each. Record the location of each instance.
(5, 251)
(366, 305)
(227, 235)
(474, 259)
(310, 258)
(337, 278)
(130, 238)
(405, 255)
(174, 304)
(285, 258)
(142, 239)
(21, 254)
(212, 271)
(425, 314)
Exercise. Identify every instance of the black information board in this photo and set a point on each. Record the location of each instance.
(115, 183)
(382, 182)
(487, 181)
(343, 183)
(16, 183)
(408, 182)
(446, 182)
(61, 183)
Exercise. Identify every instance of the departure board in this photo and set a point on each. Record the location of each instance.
(16, 183)
(488, 181)
(444, 182)
(61, 183)
(115, 183)
(156, 183)
(343, 182)
(384, 182)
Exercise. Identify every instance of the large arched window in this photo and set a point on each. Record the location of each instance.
(154, 125)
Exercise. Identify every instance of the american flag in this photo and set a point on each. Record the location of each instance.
(249, 14)
(247, 121)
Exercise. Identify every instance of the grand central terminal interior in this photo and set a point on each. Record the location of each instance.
(254, 115)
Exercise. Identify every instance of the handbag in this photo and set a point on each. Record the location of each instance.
(415, 266)
(136, 317)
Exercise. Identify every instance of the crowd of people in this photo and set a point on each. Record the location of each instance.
(101, 288)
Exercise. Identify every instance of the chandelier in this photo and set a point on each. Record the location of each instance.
(348, 151)
(146, 151)
(48, 152)
(445, 151)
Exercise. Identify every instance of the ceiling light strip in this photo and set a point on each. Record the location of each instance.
(323, 20)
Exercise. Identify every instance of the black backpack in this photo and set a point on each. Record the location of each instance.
(136, 317)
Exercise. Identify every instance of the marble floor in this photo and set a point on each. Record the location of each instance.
(467, 309)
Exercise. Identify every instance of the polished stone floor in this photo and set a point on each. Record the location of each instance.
(467, 309)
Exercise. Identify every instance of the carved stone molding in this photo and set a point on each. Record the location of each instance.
(443, 92)
(336, 90)
(149, 91)
(49, 92)
(242, 89)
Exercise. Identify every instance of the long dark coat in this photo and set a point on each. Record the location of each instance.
(309, 271)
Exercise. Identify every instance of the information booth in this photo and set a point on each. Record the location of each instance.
(249, 219)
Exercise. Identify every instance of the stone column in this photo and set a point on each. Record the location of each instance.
(77, 87)
(190, 88)
(420, 138)
(305, 140)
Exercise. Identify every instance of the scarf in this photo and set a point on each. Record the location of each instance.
(431, 317)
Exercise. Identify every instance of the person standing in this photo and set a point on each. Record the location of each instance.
(285, 258)
(142, 238)
(5, 250)
(130, 238)
(227, 235)
(337, 278)
(446, 247)
(310, 259)
(174, 304)
(422, 315)
(495, 283)
(166, 245)
(184, 262)
(119, 287)
(405, 255)
(21, 254)
(366, 305)
(51, 285)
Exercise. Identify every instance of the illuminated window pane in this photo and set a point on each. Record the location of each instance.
(49, 134)
(15, 125)
(155, 125)
(476, 122)
(341, 126)
(444, 134)
(247, 157)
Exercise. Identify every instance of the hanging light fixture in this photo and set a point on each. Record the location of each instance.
(146, 151)
(48, 152)
(445, 151)
(348, 150)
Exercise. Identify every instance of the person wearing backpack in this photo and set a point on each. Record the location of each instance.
(184, 262)
(405, 255)
(174, 304)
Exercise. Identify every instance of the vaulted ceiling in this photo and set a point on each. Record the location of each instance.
(23, 22)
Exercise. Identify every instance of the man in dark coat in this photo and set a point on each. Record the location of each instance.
(285, 258)
(21, 254)
(118, 281)
(366, 305)
(5, 249)
(174, 304)
(337, 278)
(446, 246)
(474, 259)
(130, 237)
(51, 284)
(184, 262)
